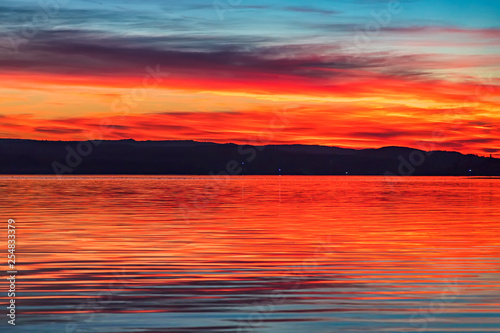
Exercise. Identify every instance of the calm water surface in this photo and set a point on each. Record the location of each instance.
(256, 254)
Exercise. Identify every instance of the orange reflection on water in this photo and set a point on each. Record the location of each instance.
(257, 253)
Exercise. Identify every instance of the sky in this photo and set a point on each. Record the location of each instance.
(347, 73)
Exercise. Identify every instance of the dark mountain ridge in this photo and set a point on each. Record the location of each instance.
(18, 156)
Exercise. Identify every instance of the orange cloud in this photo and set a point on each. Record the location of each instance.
(294, 125)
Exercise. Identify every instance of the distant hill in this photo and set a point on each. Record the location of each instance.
(203, 158)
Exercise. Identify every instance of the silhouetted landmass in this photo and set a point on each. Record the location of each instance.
(203, 158)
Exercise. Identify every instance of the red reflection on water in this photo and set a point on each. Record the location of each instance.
(326, 245)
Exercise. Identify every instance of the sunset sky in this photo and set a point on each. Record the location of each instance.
(348, 73)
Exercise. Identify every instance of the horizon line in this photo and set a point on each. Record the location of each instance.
(255, 145)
